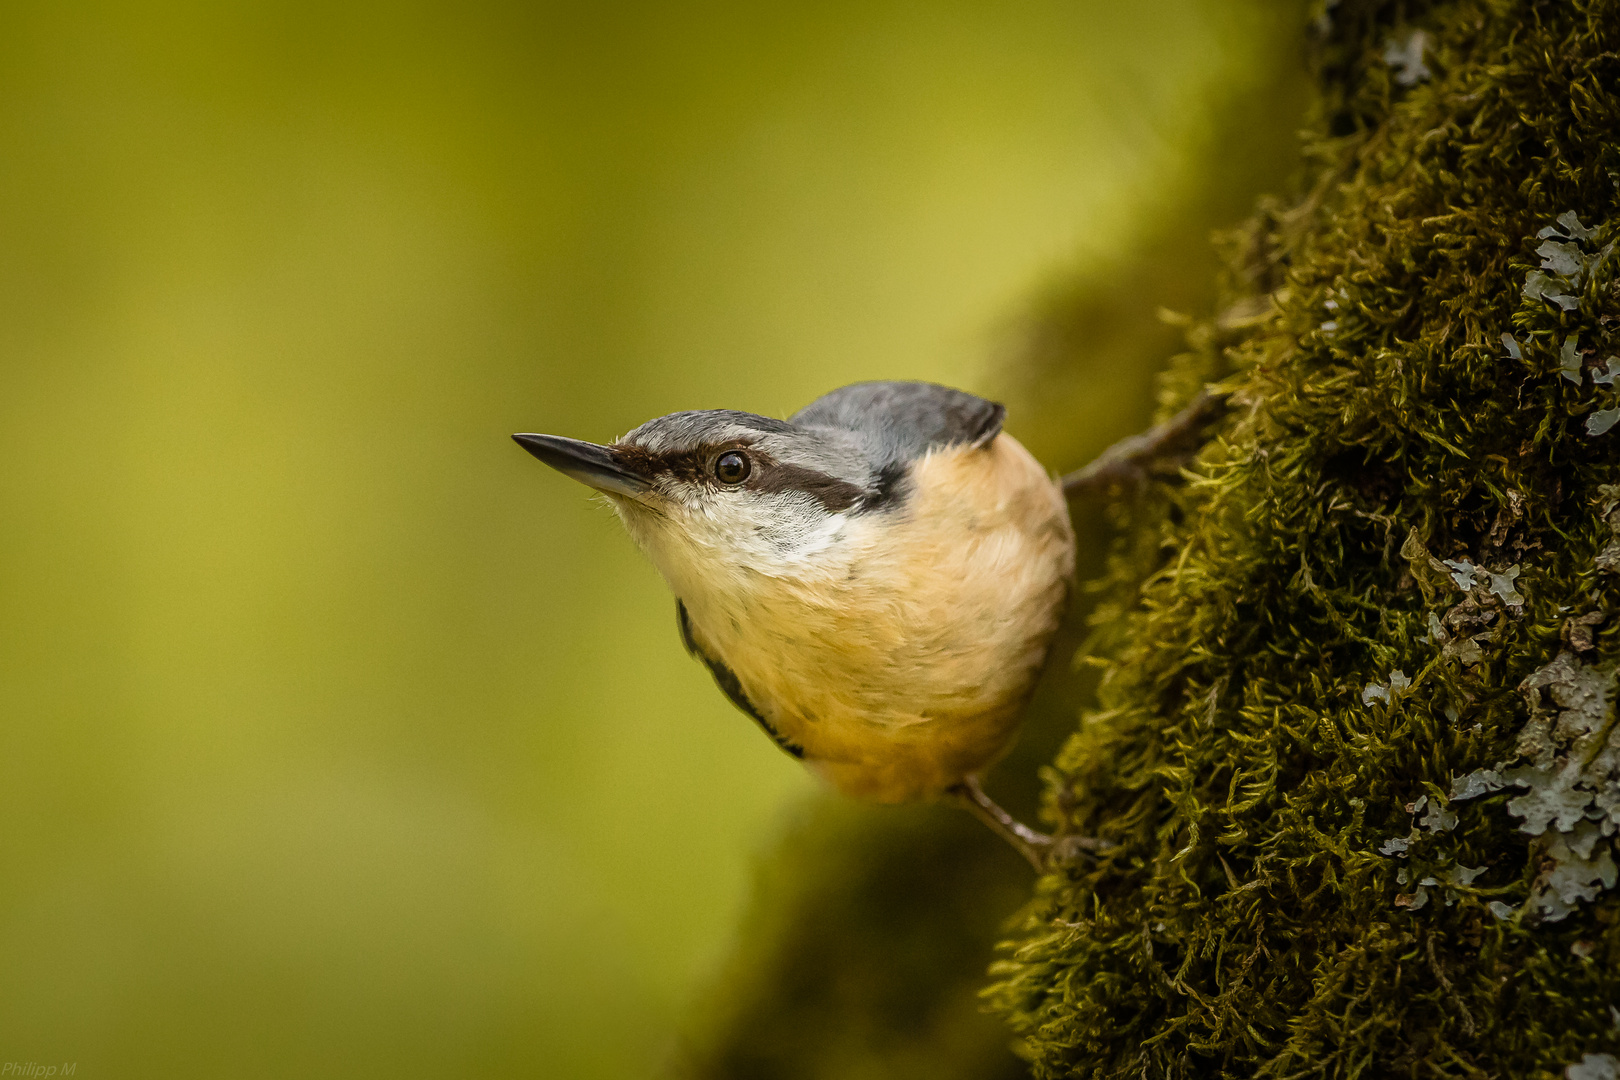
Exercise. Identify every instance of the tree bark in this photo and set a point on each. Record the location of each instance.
(1355, 735)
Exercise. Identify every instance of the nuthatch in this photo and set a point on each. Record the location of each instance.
(874, 580)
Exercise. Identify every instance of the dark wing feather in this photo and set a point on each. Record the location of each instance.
(726, 680)
(905, 420)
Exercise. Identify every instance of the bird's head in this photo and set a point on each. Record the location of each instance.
(717, 495)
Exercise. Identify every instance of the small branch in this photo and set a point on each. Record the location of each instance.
(1129, 458)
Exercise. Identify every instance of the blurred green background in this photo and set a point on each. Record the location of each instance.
(337, 736)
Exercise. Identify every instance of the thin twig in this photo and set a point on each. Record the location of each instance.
(1128, 459)
(1456, 999)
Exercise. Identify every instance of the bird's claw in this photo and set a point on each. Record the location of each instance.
(1042, 850)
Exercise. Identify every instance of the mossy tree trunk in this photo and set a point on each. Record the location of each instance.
(1356, 733)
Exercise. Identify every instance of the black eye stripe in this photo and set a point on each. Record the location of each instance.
(835, 495)
(764, 474)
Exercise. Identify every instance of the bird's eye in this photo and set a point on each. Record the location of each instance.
(731, 467)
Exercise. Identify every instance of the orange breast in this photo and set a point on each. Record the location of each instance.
(902, 659)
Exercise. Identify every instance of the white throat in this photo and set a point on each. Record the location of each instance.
(735, 548)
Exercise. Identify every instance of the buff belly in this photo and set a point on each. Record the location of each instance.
(901, 657)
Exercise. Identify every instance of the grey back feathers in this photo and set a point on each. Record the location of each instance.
(902, 421)
(849, 449)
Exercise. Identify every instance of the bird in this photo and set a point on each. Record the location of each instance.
(875, 580)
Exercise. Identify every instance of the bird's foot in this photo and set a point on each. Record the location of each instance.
(1041, 849)
(1131, 458)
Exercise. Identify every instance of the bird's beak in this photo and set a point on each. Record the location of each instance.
(590, 464)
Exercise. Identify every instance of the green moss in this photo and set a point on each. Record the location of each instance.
(1310, 640)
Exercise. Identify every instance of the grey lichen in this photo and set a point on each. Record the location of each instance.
(1465, 573)
(1602, 420)
(1594, 1067)
(1568, 224)
(1573, 873)
(1569, 356)
(1569, 754)
(1385, 691)
(1438, 818)
(1432, 816)
(1473, 785)
(1405, 58)
(1502, 584)
(1542, 286)
(1565, 266)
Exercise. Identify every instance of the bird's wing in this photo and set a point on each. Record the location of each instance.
(727, 681)
(906, 419)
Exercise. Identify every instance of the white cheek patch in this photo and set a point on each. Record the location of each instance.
(821, 537)
(715, 542)
(766, 533)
